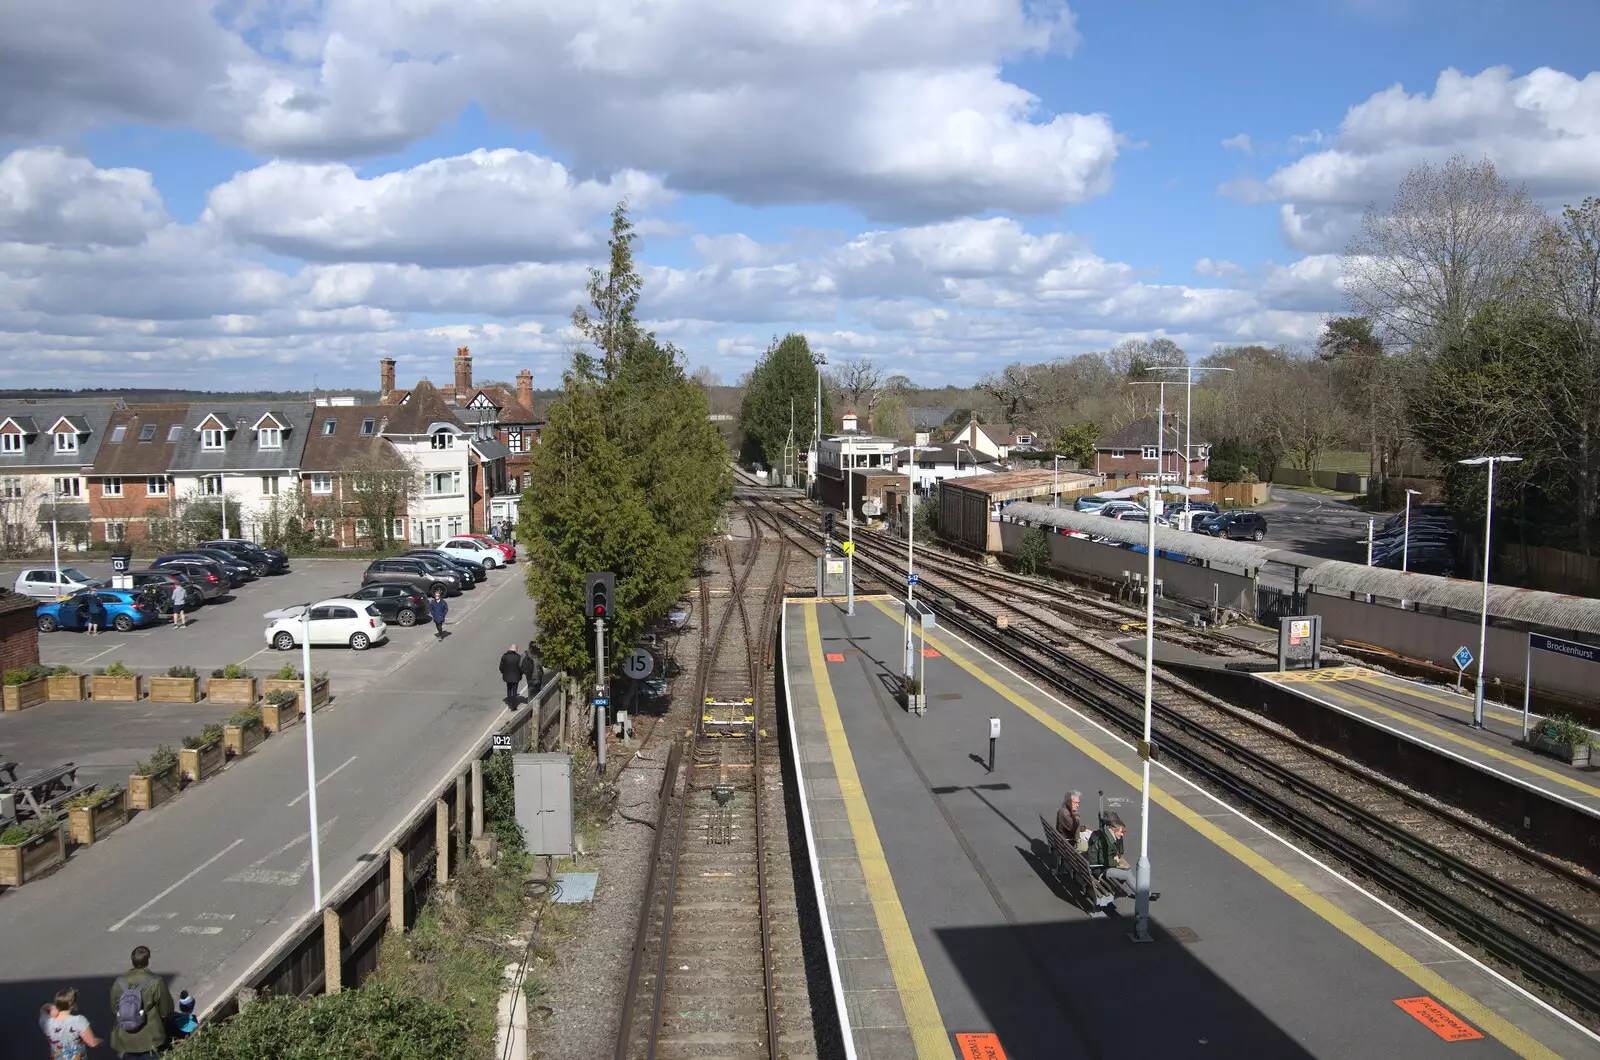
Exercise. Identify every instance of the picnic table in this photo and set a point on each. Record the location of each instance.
(38, 789)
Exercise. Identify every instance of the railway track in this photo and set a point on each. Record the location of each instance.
(1533, 913)
(718, 968)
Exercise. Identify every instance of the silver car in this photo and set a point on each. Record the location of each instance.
(46, 583)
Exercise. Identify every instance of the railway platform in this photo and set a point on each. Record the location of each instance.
(942, 921)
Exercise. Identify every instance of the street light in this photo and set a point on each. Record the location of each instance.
(1405, 542)
(1188, 402)
(911, 451)
(55, 542)
(1055, 498)
(311, 752)
(1488, 522)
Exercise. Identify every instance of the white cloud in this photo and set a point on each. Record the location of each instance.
(487, 207)
(900, 109)
(1216, 268)
(1240, 143)
(51, 198)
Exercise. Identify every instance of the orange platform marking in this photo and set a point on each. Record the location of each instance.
(929, 653)
(832, 657)
(1438, 1019)
(980, 1047)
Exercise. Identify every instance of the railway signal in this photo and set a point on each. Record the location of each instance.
(598, 589)
(827, 523)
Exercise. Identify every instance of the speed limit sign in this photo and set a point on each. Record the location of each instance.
(639, 664)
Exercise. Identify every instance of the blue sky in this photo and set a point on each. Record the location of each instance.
(261, 191)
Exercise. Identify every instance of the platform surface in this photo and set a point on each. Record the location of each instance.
(1442, 719)
(944, 923)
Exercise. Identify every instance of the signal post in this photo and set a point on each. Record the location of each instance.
(599, 587)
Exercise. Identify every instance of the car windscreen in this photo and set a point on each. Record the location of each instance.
(75, 575)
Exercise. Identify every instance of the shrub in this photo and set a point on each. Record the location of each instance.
(206, 737)
(1564, 728)
(245, 718)
(377, 1020)
(116, 669)
(62, 671)
(92, 798)
(182, 671)
(231, 672)
(163, 761)
(14, 836)
(18, 834)
(281, 697)
(1035, 551)
(22, 675)
(911, 685)
(286, 672)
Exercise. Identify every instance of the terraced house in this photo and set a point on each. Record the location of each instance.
(352, 475)
(47, 451)
(130, 487)
(463, 467)
(247, 452)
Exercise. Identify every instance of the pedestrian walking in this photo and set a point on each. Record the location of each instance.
(94, 614)
(180, 606)
(533, 670)
(511, 673)
(437, 609)
(141, 1005)
(68, 1033)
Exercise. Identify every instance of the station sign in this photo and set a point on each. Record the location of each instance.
(1463, 657)
(1570, 648)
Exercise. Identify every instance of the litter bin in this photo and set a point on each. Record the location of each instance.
(121, 562)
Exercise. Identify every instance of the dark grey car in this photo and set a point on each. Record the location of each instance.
(415, 570)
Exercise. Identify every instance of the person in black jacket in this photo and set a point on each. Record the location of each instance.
(511, 673)
(533, 670)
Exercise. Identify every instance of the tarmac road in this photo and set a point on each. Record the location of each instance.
(212, 880)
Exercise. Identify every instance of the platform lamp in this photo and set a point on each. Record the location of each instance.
(1488, 524)
(1405, 542)
(911, 452)
(1142, 871)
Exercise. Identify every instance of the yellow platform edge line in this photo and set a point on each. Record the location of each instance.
(1447, 993)
(921, 1009)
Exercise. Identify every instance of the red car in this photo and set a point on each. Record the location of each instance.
(508, 549)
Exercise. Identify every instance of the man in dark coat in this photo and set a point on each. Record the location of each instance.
(533, 670)
(437, 609)
(511, 673)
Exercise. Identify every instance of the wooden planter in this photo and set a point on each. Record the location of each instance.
(238, 740)
(1572, 754)
(93, 823)
(231, 691)
(114, 689)
(275, 718)
(70, 688)
(916, 704)
(146, 793)
(174, 689)
(319, 691)
(28, 694)
(37, 856)
(199, 763)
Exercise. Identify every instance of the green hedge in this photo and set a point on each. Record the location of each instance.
(373, 1023)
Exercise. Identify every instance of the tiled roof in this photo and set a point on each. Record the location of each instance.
(327, 453)
(424, 406)
(241, 452)
(136, 455)
(39, 448)
(1142, 432)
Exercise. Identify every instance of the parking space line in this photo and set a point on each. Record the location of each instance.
(191, 874)
(301, 797)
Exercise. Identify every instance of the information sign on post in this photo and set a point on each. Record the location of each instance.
(639, 664)
(500, 741)
(1300, 642)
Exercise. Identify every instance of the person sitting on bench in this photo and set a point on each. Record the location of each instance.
(1105, 852)
(1069, 824)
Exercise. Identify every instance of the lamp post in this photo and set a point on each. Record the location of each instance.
(1488, 526)
(1055, 497)
(1405, 542)
(1188, 402)
(311, 761)
(911, 452)
(55, 540)
(818, 359)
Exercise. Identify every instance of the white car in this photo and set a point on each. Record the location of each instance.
(338, 621)
(473, 551)
(43, 583)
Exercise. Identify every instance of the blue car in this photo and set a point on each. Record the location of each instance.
(125, 611)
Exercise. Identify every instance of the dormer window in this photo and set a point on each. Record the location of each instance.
(147, 432)
(212, 439)
(444, 440)
(329, 426)
(66, 441)
(270, 438)
(11, 443)
(366, 425)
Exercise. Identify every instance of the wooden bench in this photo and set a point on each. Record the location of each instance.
(42, 785)
(1070, 867)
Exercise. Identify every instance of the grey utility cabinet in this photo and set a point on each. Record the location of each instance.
(543, 785)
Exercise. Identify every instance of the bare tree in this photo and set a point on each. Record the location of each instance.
(705, 377)
(381, 482)
(859, 384)
(1448, 244)
(1015, 389)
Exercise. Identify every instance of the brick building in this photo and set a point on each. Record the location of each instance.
(1134, 454)
(130, 483)
(19, 634)
(47, 449)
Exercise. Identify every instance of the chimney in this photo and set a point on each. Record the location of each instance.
(463, 376)
(525, 388)
(385, 378)
(849, 423)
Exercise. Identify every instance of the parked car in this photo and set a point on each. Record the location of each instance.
(125, 610)
(211, 579)
(263, 561)
(1250, 526)
(508, 549)
(47, 583)
(1089, 505)
(486, 554)
(341, 620)
(239, 570)
(413, 570)
(1141, 516)
(471, 573)
(402, 603)
(1112, 509)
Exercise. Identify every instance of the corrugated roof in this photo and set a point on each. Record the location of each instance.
(1552, 610)
(1213, 550)
(1032, 482)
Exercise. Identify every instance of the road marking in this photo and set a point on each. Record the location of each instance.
(298, 799)
(923, 1020)
(1513, 1037)
(214, 916)
(190, 929)
(254, 873)
(191, 874)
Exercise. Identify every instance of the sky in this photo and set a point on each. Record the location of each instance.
(276, 193)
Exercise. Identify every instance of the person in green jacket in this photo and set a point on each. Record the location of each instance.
(1105, 848)
(140, 1007)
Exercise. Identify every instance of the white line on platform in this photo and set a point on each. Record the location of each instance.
(191, 874)
(298, 799)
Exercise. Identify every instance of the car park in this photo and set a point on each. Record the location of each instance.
(1239, 526)
(413, 569)
(49, 583)
(211, 579)
(339, 621)
(471, 573)
(402, 603)
(126, 610)
(262, 561)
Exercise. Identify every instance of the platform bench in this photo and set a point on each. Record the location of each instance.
(1068, 865)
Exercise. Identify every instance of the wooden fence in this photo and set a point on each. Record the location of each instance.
(1551, 569)
(337, 947)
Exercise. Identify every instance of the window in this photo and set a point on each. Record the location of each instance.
(147, 432)
(1150, 452)
(454, 525)
(119, 432)
(66, 442)
(271, 438)
(155, 486)
(322, 527)
(11, 443)
(443, 483)
(514, 439)
(211, 485)
(174, 432)
(69, 487)
(329, 425)
(269, 485)
(116, 531)
(1024, 439)
(444, 440)
(527, 480)
(111, 487)
(363, 529)
(367, 425)
(1116, 454)
(11, 489)
(213, 439)
(322, 485)
(398, 530)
